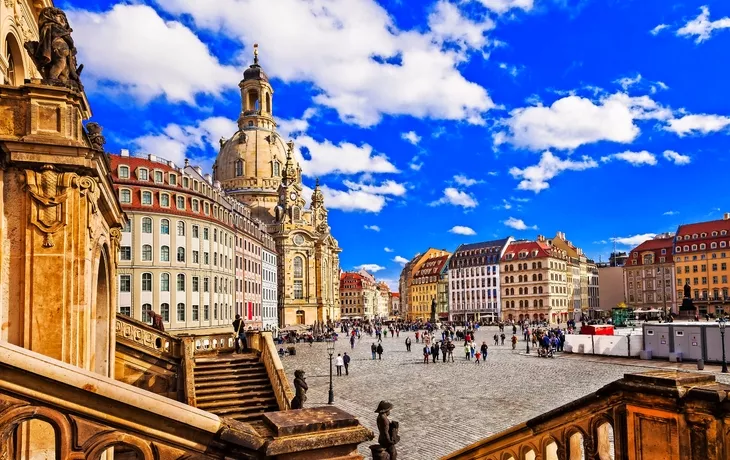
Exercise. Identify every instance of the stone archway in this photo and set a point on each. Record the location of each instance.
(14, 56)
(101, 333)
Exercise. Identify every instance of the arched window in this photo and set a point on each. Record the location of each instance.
(165, 282)
(124, 172)
(181, 254)
(15, 73)
(165, 253)
(277, 169)
(180, 228)
(165, 312)
(298, 267)
(146, 313)
(147, 198)
(539, 276)
(181, 312)
(147, 252)
(239, 168)
(165, 227)
(146, 225)
(180, 282)
(295, 213)
(147, 282)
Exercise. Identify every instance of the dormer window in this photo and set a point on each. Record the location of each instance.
(723, 233)
(703, 235)
(186, 182)
(158, 177)
(124, 172)
(172, 179)
(143, 174)
(714, 233)
(164, 200)
(277, 169)
(125, 196)
(180, 202)
(147, 198)
(694, 236)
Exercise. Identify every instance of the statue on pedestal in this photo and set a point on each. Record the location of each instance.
(54, 54)
(300, 386)
(687, 309)
(388, 435)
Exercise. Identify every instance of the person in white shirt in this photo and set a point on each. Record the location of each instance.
(339, 363)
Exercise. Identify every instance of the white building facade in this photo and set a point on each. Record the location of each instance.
(474, 281)
(269, 293)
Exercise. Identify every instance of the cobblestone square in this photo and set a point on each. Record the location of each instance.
(443, 407)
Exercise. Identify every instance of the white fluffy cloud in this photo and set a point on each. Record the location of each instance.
(634, 158)
(698, 124)
(628, 82)
(535, 178)
(359, 196)
(374, 228)
(701, 27)
(372, 268)
(344, 158)
(456, 198)
(635, 240)
(389, 187)
(671, 213)
(503, 6)
(400, 260)
(348, 49)
(411, 137)
(175, 141)
(386, 249)
(131, 48)
(658, 29)
(461, 230)
(518, 224)
(677, 158)
(574, 121)
(461, 179)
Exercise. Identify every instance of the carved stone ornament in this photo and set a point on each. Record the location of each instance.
(54, 54)
(48, 190)
(93, 131)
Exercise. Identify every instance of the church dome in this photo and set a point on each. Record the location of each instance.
(255, 72)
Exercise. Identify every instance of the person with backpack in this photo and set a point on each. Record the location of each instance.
(408, 344)
(502, 336)
(346, 362)
(240, 335)
(514, 341)
(496, 340)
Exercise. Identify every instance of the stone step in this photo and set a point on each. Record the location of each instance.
(223, 361)
(235, 393)
(251, 417)
(233, 405)
(239, 388)
(232, 380)
(226, 365)
(240, 371)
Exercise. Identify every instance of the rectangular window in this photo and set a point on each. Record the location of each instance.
(125, 283)
(206, 312)
(196, 282)
(196, 229)
(126, 311)
(724, 279)
(165, 312)
(147, 198)
(123, 172)
(723, 266)
(195, 312)
(180, 202)
(298, 290)
(206, 258)
(125, 253)
(195, 257)
(173, 179)
(158, 176)
(205, 233)
(206, 286)
(142, 174)
(181, 312)
(215, 311)
(196, 207)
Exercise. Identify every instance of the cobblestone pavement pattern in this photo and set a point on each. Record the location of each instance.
(443, 407)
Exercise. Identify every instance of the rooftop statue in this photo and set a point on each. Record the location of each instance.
(54, 54)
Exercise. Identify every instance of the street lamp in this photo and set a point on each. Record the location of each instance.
(331, 351)
(722, 335)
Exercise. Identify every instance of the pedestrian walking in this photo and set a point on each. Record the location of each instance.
(339, 362)
(485, 350)
(514, 342)
(473, 348)
(417, 335)
(426, 352)
(444, 350)
(502, 336)
(477, 356)
(434, 352)
(380, 351)
(467, 351)
(346, 361)
(373, 349)
(240, 340)
(496, 340)
(408, 344)
(451, 348)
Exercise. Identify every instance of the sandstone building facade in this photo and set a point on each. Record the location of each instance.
(649, 278)
(258, 168)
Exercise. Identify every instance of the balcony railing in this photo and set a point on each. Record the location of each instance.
(666, 415)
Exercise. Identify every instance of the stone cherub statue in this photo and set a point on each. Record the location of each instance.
(54, 54)
(93, 131)
(300, 385)
(388, 435)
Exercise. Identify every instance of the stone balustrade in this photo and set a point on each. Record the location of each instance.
(274, 368)
(49, 409)
(666, 415)
(144, 335)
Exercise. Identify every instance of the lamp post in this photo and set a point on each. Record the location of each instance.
(331, 351)
(722, 335)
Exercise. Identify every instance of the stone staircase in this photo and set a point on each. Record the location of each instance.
(234, 386)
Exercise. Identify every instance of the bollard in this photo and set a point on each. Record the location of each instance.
(700, 364)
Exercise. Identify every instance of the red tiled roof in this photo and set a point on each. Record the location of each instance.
(654, 246)
(530, 246)
(704, 227)
(435, 265)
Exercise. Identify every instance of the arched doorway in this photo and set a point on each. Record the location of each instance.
(300, 317)
(13, 55)
(101, 333)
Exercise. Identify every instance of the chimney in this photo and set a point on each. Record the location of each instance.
(209, 178)
(726, 216)
(151, 157)
(124, 153)
(199, 169)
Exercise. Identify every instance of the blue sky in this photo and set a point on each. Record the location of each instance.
(434, 123)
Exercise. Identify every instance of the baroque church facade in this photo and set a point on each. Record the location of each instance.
(258, 168)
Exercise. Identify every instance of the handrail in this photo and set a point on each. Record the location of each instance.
(275, 370)
(144, 335)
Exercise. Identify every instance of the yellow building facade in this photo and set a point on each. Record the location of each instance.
(425, 285)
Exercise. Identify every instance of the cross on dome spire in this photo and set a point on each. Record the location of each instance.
(256, 53)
